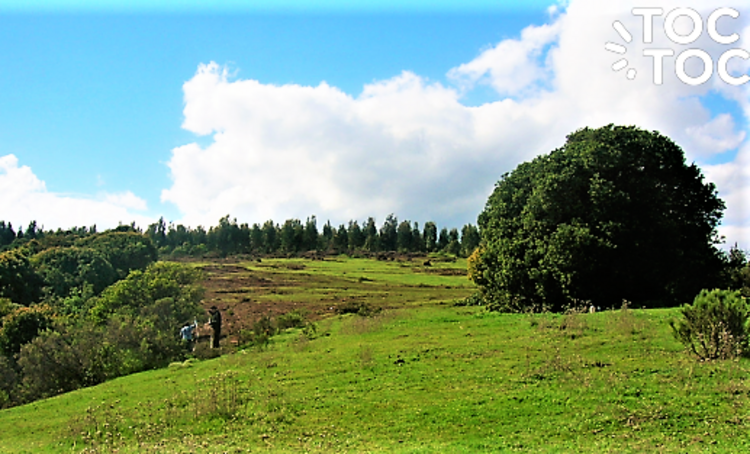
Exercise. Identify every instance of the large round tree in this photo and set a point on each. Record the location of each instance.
(615, 214)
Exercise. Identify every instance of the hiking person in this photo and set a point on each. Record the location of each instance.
(214, 321)
(187, 332)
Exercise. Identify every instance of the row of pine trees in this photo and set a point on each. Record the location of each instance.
(291, 237)
(295, 237)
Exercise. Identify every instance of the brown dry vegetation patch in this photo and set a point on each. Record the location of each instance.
(245, 291)
(442, 271)
(244, 295)
(235, 289)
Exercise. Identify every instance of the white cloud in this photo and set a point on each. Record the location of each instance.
(512, 67)
(290, 151)
(26, 198)
(733, 181)
(718, 135)
(126, 200)
(409, 146)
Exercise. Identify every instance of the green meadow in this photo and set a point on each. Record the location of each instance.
(422, 375)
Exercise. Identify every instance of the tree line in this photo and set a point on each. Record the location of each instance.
(295, 237)
(271, 238)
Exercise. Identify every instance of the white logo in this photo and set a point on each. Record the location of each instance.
(658, 54)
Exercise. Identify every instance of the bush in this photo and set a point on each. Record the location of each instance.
(265, 328)
(475, 299)
(475, 267)
(8, 381)
(51, 365)
(715, 326)
(6, 307)
(294, 319)
(22, 325)
(77, 355)
(168, 290)
(203, 351)
(124, 250)
(63, 269)
(260, 334)
(19, 282)
(356, 307)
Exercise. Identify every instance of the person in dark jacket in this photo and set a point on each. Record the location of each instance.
(214, 321)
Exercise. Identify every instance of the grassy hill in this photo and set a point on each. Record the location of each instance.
(420, 376)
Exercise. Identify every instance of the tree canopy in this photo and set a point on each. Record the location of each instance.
(615, 214)
(18, 280)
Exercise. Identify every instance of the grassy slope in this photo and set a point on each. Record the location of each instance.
(418, 379)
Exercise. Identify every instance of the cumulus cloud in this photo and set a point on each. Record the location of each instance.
(733, 181)
(410, 146)
(512, 67)
(126, 200)
(26, 198)
(718, 135)
(289, 151)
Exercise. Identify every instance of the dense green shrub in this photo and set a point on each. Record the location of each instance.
(126, 251)
(50, 365)
(80, 354)
(744, 276)
(294, 319)
(6, 307)
(356, 307)
(21, 326)
(79, 310)
(63, 269)
(8, 382)
(715, 326)
(18, 280)
(260, 334)
(168, 292)
(266, 327)
(130, 327)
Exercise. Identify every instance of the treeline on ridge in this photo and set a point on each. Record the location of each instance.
(294, 237)
(270, 238)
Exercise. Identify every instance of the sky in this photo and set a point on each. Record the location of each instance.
(124, 111)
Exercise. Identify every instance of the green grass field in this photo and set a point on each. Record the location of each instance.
(422, 376)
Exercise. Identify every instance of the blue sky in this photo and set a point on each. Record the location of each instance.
(284, 6)
(95, 100)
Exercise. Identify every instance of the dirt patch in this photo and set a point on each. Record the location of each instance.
(235, 291)
(241, 315)
(399, 256)
(442, 271)
(224, 269)
(288, 266)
